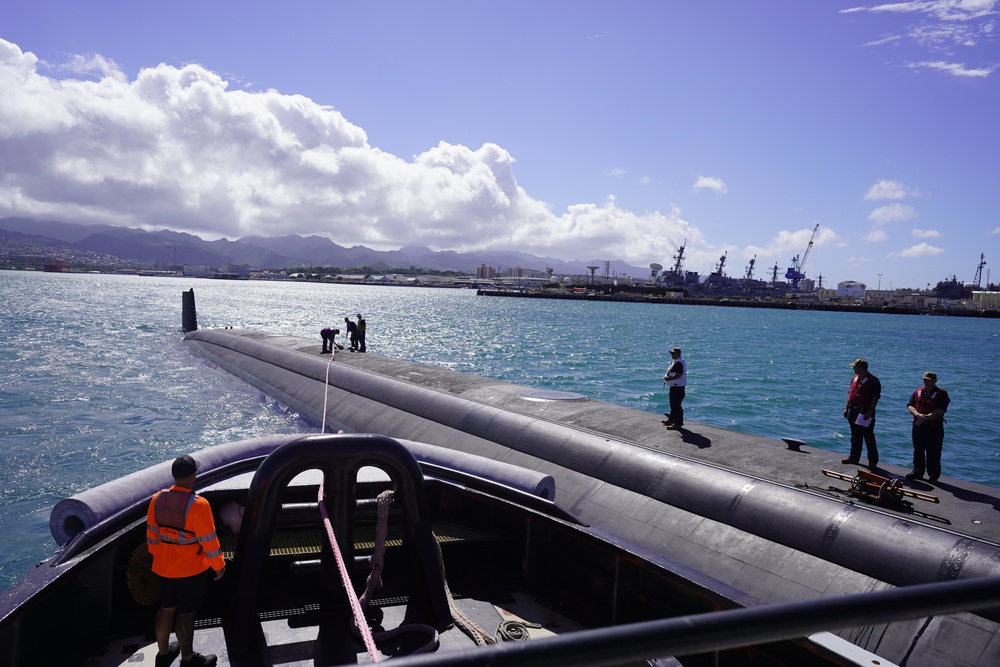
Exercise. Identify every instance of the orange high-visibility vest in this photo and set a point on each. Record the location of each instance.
(180, 534)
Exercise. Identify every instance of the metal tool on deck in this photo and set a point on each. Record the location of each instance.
(869, 486)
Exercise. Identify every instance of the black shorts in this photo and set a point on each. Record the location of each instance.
(185, 593)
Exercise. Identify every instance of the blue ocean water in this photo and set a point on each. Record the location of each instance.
(98, 383)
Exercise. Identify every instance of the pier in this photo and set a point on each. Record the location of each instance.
(730, 301)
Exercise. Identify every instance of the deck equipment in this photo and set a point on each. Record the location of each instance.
(869, 486)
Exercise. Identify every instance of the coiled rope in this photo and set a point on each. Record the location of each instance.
(516, 631)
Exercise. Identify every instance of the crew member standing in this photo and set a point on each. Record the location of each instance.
(362, 325)
(928, 405)
(862, 397)
(180, 534)
(352, 333)
(676, 379)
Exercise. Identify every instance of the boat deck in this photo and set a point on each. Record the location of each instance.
(292, 646)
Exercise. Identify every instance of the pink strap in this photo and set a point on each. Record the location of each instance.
(359, 616)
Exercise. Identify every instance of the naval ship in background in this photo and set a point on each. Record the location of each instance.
(795, 291)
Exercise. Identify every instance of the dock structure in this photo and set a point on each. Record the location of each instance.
(738, 299)
(758, 514)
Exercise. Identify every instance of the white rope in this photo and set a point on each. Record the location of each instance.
(461, 619)
(378, 555)
(375, 579)
(326, 389)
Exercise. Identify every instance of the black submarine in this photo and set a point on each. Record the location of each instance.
(748, 511)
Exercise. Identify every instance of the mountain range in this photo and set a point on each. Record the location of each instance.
(280, 252)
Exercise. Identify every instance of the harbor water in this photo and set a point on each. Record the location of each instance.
(97, 382)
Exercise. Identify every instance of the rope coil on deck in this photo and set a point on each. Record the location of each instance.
(515, 631)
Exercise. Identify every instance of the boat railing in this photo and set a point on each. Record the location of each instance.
(723, 630)
(91, 535)
(339, 458)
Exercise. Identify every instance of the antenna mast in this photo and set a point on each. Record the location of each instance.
(978, 280)
(679, 257)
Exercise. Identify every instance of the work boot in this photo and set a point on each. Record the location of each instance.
(166, 659)
(199, 660)
(851, 461)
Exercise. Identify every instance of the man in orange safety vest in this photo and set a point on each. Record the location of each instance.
(180, 534)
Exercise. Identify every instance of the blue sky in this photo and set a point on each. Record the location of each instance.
(568, 129)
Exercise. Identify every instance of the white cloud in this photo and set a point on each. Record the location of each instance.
(945, 10)
(892, 213)
(996, 231)
(956, 69)
(917, 252)
(645, 180)
(92, 65)
(859, 260)
(941, 27)
(710, 183)
(884, 40)
(589, 231)
(785, 244)
(178, 148)
(926, 233)
(616, 172)
(886, 189)
(944, 37)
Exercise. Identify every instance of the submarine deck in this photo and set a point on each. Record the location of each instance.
(967, 508)
(743, 510)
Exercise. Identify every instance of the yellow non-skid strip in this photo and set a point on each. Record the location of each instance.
(301, 542)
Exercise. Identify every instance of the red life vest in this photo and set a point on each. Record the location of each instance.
(860, 394)
(927, 402)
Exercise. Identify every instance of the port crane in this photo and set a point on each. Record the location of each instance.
(796, 271)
